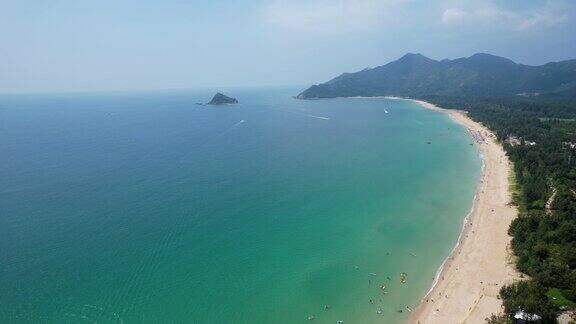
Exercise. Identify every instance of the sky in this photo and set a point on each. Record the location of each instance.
(81, 45)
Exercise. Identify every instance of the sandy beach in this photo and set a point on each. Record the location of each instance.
(466, 289)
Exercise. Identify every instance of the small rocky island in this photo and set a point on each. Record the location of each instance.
(220, 99)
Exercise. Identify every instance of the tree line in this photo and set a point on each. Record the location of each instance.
(543, 241)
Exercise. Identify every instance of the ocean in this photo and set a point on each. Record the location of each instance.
(144, 207)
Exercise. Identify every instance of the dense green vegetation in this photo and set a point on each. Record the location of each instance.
(544, 241)
(480, 75)
(512, 100)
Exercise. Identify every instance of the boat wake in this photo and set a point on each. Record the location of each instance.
(319, 117)
(231, 128)
(307, 115)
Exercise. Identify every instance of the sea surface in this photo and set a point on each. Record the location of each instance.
(144, 207)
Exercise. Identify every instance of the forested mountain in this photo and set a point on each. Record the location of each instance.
(535, 103)
(480, 75)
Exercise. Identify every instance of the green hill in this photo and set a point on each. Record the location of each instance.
(480, 75)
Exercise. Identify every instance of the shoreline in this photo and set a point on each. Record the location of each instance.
(467, 284)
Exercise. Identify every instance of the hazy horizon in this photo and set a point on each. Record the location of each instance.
(65, 46)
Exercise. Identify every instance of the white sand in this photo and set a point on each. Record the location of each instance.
(466, 290)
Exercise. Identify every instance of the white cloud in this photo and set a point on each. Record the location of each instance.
(332, 14)
(488, 13)
(541, 19)
(338, 15)
(453, 16)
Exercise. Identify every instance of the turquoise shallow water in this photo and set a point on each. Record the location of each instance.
(146, 208)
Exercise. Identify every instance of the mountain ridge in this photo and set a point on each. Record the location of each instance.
(479, 75)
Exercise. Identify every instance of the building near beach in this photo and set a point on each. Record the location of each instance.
(522, 317)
